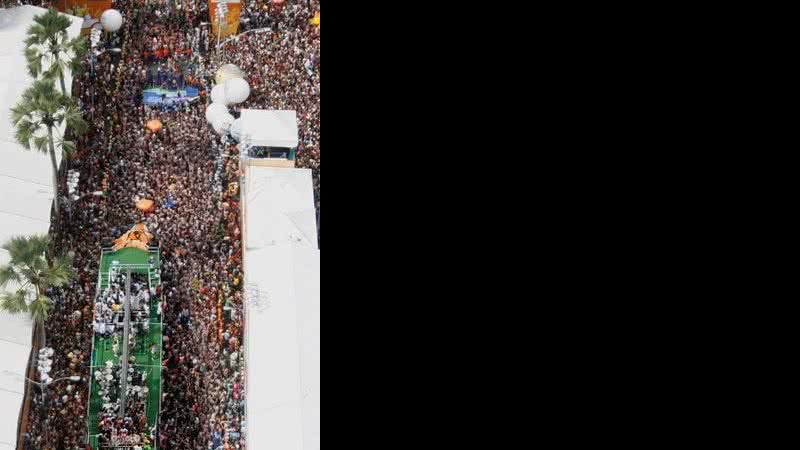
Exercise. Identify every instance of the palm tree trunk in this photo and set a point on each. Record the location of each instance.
(42, 334)
(55, 170)
(63, 86)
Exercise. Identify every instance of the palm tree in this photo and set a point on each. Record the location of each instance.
(49, 50)
(31, 273)
(40, 113)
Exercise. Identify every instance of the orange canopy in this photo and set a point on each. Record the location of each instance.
(154, 126)
(145, 205)
(137, 237)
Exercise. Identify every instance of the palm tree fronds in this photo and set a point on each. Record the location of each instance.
(40, 308)
(60, 273)
(78, 48)
(22, 250)
(68, 147)
(14, 303)
(49, 25)
(29, 267)
(34, 59)
(7, 275)
(41, 143)
(23, 134)
(56, 70)
(74, 119)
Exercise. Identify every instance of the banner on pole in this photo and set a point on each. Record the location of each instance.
(230, 25)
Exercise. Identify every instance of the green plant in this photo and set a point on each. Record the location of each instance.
(30, 275)
(40, 113)
(49, 51)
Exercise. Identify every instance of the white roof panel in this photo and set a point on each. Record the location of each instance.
(283, 343)
(270, 128)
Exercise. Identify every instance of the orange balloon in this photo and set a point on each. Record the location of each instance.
(154, 126)
(145, 205)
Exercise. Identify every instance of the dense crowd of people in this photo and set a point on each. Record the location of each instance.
(283, 69)
(192, 175)
(109, 306)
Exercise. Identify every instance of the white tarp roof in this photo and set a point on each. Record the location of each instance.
(270, 128)
(15, 348)
(27, 192)
(282, 278)
(280, 207)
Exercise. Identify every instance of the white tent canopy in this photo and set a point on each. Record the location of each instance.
(282, 279)
(270, 128)
(15, 348)
(26, 185)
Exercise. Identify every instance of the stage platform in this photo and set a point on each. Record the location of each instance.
(137, 261)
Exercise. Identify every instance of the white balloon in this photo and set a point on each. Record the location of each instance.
(236, 129)
(237, 90)
(215, 110)
(223, 123)
(218, 94)
(111, 20)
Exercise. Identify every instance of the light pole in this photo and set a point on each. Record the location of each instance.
(74, 378)
(115, 51)
(112, 21)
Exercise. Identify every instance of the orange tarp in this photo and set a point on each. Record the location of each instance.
(137, 237)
